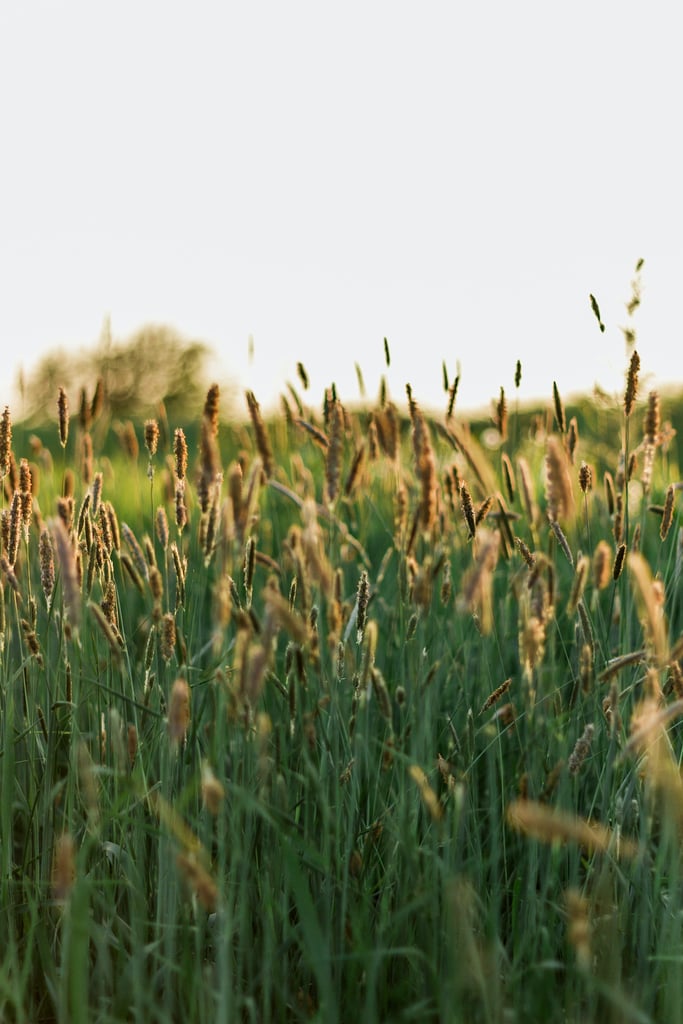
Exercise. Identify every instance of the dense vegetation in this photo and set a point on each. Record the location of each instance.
(350, 714)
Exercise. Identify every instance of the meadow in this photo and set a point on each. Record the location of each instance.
(351, 713)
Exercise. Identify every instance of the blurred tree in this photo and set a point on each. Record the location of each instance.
(155, 364)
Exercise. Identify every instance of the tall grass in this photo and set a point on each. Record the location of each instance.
(345, 714)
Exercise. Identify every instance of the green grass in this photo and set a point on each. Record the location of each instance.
(331, 839)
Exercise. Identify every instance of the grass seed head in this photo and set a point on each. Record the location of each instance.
(631, 384)
(179, 712)
(5, 442)
(581, 750)
(559, 492)
(668, 513)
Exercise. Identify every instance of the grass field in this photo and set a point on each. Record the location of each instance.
(356, 714)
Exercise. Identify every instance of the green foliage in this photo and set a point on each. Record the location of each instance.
(228, 793)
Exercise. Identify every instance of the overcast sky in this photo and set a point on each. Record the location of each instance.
(457, 177)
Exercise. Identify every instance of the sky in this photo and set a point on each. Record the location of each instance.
(300, 180)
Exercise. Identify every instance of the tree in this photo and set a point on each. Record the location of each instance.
(155, 364)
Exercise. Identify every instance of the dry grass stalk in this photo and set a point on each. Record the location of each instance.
(135, 550)
(586, 665)
(5, 442)
(318, 568)
(602, 565)
(334, 451)
(381, 692)
(610, 493)
(559, 409)
(619, 559)
(502, 416)
(631, 384)
(179, 712)
(151, 435)
(180, 454)
(167, 637)
(651, 438)
(261, 434)
(108, 630)
(483, 510)
(452, 395)
(572, 438)
(555, 826)
(47, 564)
(622, 662)
(650, 740)
(446, 584)
(650, 598)
(314, 432)
(429, 797)
(425, 466)
(668, 513)
(494, 697)
(467, 508)
(527, 491)
(110, 513)
(209, 464)
(355, 472)
(559, 492)
(578, 585)
(562, 541)
(210, 411)
(585, 478)
(63, 417)
(213, 791)
(14, 528)
(108, 603)
(11, 577)
(508, 476)
(526, 554)
(86, 458)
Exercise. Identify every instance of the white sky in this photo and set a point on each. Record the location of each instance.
(455, 176)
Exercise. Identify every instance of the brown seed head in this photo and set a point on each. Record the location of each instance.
(559, 409)
(5, 442)
(168, 637)
(180, 452)
(261, 434)
(631, 384)
(63, 414)
(668, 513)
(47, 564)
(502, 416)
(581, 750)
(211, 408)
(151, 436)
(179, 711)
(585, 478)
(559, 493)
(468, 509)
(86, 459)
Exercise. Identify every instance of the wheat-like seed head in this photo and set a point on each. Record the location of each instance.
(559, 492)
(631, 384)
